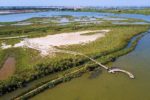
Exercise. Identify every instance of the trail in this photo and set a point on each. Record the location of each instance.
(110, 70)
(113, 70)
(81, 54)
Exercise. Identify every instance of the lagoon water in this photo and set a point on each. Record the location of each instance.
(24, 16)
(110, 86)
(105, 86)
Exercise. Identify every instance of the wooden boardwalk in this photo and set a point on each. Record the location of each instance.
(76, 53)
(110, 70)
(113, 70)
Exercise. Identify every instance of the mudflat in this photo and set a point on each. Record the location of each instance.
(8, 68)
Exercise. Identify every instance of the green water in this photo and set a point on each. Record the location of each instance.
(110, 86)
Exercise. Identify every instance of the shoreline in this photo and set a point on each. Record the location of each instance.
(9, 12)
(133, 46)
(81, 61)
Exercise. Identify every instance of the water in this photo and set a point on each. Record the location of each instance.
(24, 16)
(110, 86)
(105, 86)
(135, 16)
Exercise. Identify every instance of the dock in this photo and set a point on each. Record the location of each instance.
(110, 70)
(113, 70)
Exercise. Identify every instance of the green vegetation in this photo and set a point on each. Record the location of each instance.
(130, 11)
(80, 71)
(145, 11)
(31, 66)
(37, 30)
(65, 78)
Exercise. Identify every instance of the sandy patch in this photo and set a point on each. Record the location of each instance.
(46, 44)
(4, 46)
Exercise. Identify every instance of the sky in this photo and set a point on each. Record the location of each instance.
(74, 2)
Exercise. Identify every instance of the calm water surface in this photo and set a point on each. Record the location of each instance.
(24, 16)
(105, 86)
(110, 86)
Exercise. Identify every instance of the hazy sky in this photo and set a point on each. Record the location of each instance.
(74, 2)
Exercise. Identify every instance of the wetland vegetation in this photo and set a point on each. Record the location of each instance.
(145, 11)
(31, 68)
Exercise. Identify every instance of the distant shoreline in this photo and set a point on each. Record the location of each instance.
(119, 10)
(6, 12)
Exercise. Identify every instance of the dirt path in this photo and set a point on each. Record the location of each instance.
(8, 68)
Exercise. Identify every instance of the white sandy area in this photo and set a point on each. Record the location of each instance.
(4, 46)
(46, 44)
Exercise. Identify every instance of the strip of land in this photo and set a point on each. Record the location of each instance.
(145, 11)
(31, 66)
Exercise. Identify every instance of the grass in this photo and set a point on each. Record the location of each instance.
(122, 33)
(145, 11)
(31, 66)
(30, 63)
(130, 11)
(37, 30)
(117, 37)
(104, 59)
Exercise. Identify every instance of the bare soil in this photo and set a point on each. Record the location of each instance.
(8, 68)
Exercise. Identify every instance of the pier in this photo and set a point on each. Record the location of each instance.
(110, 70)
(113, 70)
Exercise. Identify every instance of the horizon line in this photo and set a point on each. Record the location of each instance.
(72, 6)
